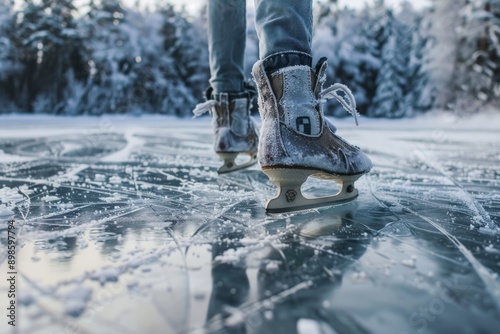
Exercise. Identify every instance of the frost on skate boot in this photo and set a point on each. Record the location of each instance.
(235, 132)
(297, 141)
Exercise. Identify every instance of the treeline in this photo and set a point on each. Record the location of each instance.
(100, 59)
(401, 62)
(380, 54)
(104, 58)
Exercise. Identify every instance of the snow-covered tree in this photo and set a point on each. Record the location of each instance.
(6, 47)
(111, 57)
(50, 47)
(402, 80)
(419, 93)
(9, 65)
(324, 11)
(186, 43)
(478, 58)
(464, 61)
(380, 53)
(392, 76)
(142, 61)
(344, 41)
(445, 20)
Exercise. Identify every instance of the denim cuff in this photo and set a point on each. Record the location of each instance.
(249, 91)
(227, 85)
(280, 60)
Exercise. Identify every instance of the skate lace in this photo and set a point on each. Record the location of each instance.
(202, 108)
(348, 101)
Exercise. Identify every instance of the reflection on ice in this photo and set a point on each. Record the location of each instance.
(132, 230)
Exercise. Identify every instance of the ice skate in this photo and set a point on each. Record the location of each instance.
(298, 142)
(235, 132)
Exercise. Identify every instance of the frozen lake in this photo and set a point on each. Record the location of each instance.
(124, 226)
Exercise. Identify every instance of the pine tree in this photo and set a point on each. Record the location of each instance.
(143, 62)
(419, 92)
(325, 11)
(6, 47)
(479, 56)
(9, 64)
(186, 44)
(402, 84)
(392, 77)
(110, 58)
(50, 48)
(494, 46)
(362, 60)
(352, 44)
(444, 19)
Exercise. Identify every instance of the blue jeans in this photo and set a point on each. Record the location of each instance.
(284, 28)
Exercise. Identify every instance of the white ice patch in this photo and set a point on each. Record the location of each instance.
(237, 317)
(492, 250)
(272, 266)
(359, 277)
(133, 143)
(106, 275)
(65, 206)
(99, 178)
(411, 263)
(50, 198)
(7, 158)
(235, 256)
(5, 212)
(71, 175)
(229, 256)
(26, 298)
(310, 326)
(76, 299)
(115, 180)
(112, 199)
(8, 195)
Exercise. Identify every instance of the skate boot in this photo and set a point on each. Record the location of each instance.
(235, 132)
(297, 141)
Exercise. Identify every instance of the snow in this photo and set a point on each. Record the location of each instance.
(8, 195)
(308, 326)
(106, 275)
(50, 198)
(76, 300)
(4, 212)
(4, 158)
(129, 223)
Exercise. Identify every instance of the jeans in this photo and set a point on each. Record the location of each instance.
(284, 28)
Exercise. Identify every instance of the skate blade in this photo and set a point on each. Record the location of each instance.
(290, 198)
(230, 164)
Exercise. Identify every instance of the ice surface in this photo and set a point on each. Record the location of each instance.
(76, 301)
(125, 227)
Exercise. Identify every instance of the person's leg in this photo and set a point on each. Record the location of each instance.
(284, 29)
(229, 98)
(296, 140)
(226, 44)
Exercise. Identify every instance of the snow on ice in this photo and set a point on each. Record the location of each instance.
(127, 228)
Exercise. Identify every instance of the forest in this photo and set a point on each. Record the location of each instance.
(106, 58)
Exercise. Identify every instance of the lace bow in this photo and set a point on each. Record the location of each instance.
(348, 101)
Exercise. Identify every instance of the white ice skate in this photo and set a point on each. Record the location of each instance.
(235, 132)
(296, 140)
